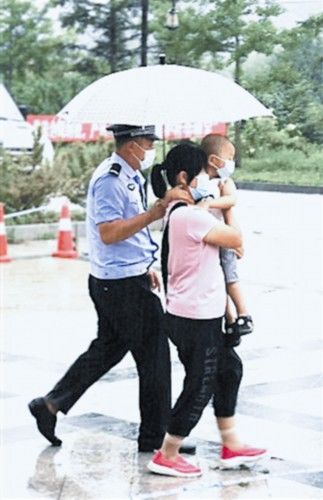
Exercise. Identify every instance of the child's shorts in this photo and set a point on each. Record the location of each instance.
(228, 260)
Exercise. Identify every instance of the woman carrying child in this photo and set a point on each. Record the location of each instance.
(195, 304)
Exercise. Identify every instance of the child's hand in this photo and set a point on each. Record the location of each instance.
(221, 186)
(205, 203)
(239, 252)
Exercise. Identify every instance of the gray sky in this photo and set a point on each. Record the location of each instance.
(297, 10)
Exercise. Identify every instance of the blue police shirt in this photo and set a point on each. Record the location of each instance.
(114, 196)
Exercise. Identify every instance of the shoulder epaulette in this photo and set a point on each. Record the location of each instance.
(115, 169)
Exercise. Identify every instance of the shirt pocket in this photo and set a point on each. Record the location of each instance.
(134, 202)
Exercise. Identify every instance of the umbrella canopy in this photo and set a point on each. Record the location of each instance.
(163, 95)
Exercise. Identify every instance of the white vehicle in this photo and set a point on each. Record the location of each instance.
(16, 135)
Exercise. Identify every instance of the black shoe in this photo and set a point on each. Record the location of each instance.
(188, 448)
(46, 421)
(149, 447)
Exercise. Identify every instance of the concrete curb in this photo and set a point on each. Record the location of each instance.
(28, 232)
(281, 188)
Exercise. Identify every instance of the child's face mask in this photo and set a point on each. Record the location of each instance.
(227, 169)
(200, 191)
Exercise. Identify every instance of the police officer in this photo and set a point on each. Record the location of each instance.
(130, 316)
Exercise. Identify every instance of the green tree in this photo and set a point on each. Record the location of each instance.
(24, 185)
(111, 27)
(26, 39)
(293, 82)
(187, 44)
(222, 33)
(218, 33)
(48, 93)
(35, 64)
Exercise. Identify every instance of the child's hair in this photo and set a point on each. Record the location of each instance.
(213, 144)
(187, 157)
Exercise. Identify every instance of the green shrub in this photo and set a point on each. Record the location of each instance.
(269, 155)
(286, 166)
(47, 236)
(74, 165)
(24, 185)
(261, 134)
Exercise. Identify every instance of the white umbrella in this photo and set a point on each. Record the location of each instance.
(163, 95)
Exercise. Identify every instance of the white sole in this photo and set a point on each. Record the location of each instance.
(167, 471)
(229, 463)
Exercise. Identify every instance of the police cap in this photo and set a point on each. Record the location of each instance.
(132, 131)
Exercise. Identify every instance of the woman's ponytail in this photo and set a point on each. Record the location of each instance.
(157, 181)
(187, 157)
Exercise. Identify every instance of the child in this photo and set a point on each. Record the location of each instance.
(221, 191)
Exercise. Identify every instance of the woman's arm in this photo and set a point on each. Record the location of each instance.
(226, 235)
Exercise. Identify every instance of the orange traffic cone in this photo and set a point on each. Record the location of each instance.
(65, 243)
(4, 257)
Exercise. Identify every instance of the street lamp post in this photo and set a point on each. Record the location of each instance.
(144, 31)
(172, 22)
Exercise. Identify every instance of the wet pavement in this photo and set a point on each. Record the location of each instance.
(48, 320)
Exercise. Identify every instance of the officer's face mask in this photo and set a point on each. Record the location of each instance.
(149, 158)
(227, 169)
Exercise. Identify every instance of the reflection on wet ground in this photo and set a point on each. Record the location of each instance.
(48, 320)
(99, 465)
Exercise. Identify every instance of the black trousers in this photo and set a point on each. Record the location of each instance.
(130, 318)
(211, 369)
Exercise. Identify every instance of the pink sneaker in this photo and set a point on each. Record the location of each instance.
(178, 468)
(243, 456)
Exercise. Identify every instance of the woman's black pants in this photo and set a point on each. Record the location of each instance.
(211, 369)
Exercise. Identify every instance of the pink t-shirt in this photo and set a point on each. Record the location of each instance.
(196, 287)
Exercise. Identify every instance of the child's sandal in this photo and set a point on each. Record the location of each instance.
(231, 337)
(244, 325)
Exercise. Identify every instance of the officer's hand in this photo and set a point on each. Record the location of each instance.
(158, 210)
(154, 280)
(178, 193)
